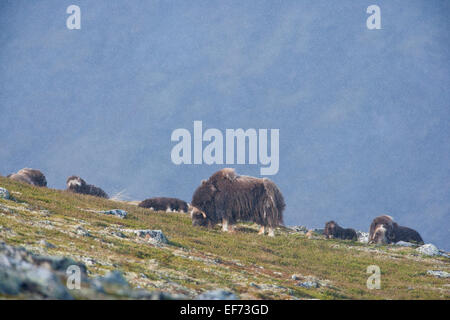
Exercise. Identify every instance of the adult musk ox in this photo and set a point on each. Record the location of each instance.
(77, 185)
(165, 204)
(228, 197)
(333, 230)
(383, 229)
(30, 176)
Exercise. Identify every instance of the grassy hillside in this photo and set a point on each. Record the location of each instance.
(197, 259)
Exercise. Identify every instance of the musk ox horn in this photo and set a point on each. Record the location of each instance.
(194, 209)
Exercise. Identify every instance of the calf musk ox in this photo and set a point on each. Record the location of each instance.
(30, 176)
(228, 197)
(77, 185)
(383, 229)
(333, 230)
(165, 204)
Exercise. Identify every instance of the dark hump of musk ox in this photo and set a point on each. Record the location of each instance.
(333, 230)
(30, 176)
(165, 204)
(77, 185)
(383, 229)
(226, 195)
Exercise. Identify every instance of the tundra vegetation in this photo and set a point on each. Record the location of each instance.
(198, 259)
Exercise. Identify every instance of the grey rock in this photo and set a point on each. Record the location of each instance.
(309, 284)
(89, 261)
(82, 232)
(58, 263)
(300, 229)
(430, 249)
(155, 236)
(116, 212)
(25, 275)
(218, 294)
(438, 273)
(19, 273)
(4, 194)
(404, 244)
(115, 277)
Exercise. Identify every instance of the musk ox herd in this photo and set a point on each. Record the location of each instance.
(226, 198)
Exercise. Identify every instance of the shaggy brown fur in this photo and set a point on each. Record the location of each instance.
(30, 176)
(383, 229)
(333, 230)
(165, 204)
(77, 185)
(227, 197)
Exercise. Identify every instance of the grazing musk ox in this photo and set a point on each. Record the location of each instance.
(333, 230)
(228, 197)
(165, 204)
(30, 176)
(77, 185)
(383, 229)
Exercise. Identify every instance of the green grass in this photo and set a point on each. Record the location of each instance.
(198, 259)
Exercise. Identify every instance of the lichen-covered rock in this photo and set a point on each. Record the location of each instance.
(22, 272)
(309, 284)
(116, 212)
(154, 236)
(82, 232)
(26, 275)
(429, 249)
(4, 194)
(113, 283)
(438, 273)
(218, 294)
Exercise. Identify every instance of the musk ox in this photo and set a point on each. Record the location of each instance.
(77, 185)
(228, 197)
(165, 204)
(333, 230)
(30, 176)
(383, 229)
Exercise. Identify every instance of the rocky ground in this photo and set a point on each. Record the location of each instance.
(126, 252)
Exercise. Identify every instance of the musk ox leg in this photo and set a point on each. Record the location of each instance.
(271, 232)
(224, 225)
(262, 230)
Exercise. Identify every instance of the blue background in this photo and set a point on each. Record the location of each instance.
(363, 114)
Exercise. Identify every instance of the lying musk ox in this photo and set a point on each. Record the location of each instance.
(30, 176)
(333, 230)
(383, 229)
(77, 185)
(227, 197)
(165, 204)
